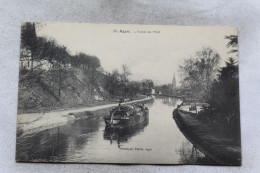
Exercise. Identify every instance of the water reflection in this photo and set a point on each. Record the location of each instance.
(170, 101)
(46, 145)
(52, 144)
(79, 131)
(88, 141)
(122, 136)
(191, 155)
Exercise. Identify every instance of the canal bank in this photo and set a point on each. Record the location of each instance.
(36, 122)
(157, 141)
(217, 147)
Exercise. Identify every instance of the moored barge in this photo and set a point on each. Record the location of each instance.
(126, 116)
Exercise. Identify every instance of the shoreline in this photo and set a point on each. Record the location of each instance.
(201, 136)
(35, 122)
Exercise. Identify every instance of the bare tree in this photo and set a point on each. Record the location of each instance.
(190, 79)
(207, 61)
(197, 73)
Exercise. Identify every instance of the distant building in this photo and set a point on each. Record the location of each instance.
(155, 91)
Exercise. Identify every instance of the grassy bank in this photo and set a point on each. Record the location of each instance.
(219, 147)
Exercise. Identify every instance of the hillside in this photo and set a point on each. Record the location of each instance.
(40, 93)
(52, 78)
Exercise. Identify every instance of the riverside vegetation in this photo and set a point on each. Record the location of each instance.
(51, 77)
(203, 81)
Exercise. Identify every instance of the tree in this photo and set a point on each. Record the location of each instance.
(124, 79)
(29, 40)
(113, 83)
(133, 88)
(207, 61)
(198, 73)
(147, 85)
(233, 43)
(61, 57)
(225, 91)
(91, 67)
(190, 79)
(165, 89)
(94, 64)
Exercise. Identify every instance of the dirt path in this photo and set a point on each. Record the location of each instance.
(33, 122)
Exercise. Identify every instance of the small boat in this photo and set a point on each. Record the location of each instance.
(126, 116)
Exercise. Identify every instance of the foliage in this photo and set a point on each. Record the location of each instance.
(85, 61)
(146, 86)
(118, 84)
(224, 97)
(225, 92)
(28, 36)
(124, 80)
(233, 43)
(197, 73)
(112, 83)
(47, 71)
(164, 89)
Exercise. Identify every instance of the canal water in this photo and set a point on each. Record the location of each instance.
(156, 141)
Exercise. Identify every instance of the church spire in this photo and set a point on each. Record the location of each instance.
(173, 82)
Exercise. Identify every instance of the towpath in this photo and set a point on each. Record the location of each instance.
(33, 122)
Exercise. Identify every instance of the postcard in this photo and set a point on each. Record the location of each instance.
(128, 94)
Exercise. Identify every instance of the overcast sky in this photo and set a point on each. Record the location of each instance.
(152, 55)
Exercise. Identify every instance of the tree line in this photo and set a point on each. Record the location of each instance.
(118, 84)
(45, 63)
(35, 48)
(39, 54)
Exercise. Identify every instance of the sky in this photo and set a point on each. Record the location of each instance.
(150, 51)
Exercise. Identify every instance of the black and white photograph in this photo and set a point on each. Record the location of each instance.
(128, 94)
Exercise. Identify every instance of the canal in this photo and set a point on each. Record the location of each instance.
(156, 141)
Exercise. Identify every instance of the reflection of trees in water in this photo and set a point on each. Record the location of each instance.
(80, 131)
(43, 146)
(52, 144)
(170, 101)
(150, 103)
(191, 155)
(123, 135)
(86, 126)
